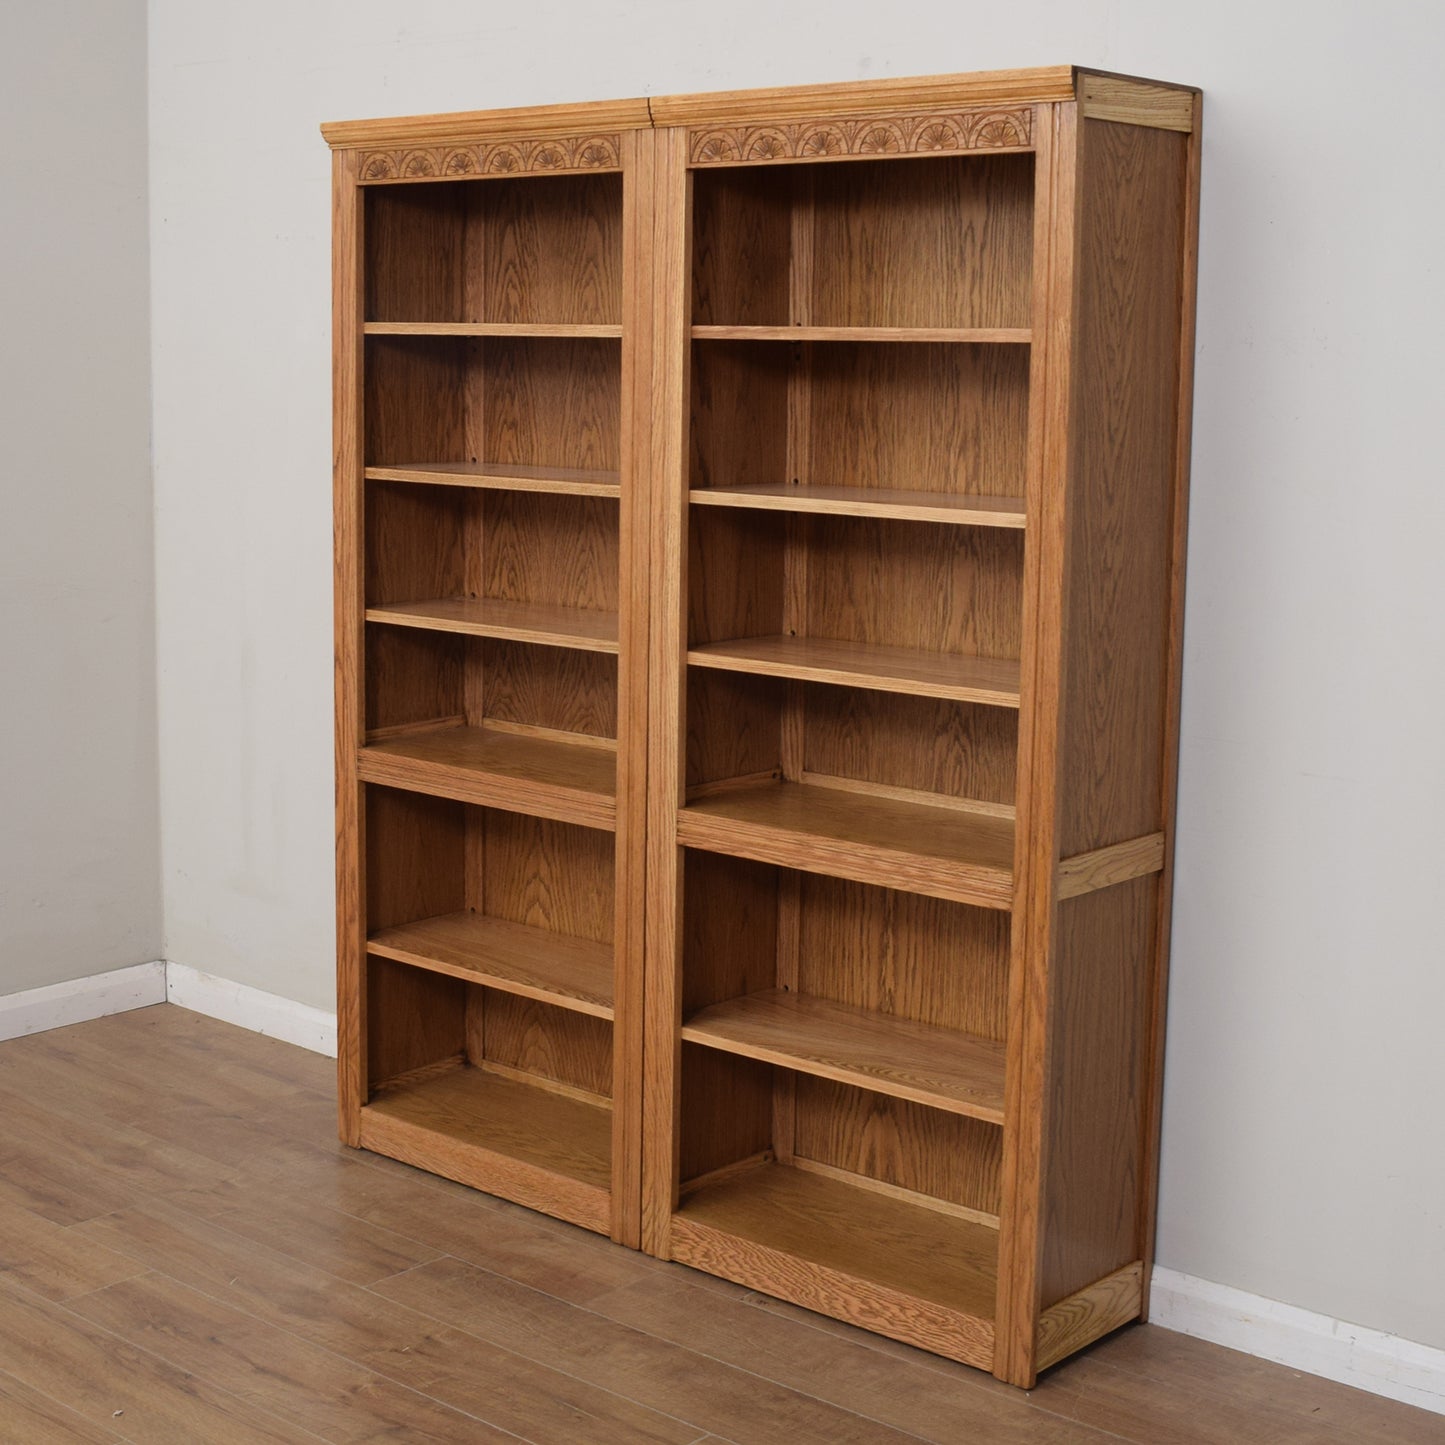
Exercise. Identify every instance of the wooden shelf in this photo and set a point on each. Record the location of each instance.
(940, 1067)
(874, 1259)
(878, 502)
(503, 477)
(555, 968)
(988, 680)
(941, 851)
(489, 328)
(970, 335)
(570, 782)
(538, 622)
(547, 1150)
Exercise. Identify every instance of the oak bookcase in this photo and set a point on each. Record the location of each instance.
(759, 562)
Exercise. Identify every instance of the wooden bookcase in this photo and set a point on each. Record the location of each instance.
(760, 527)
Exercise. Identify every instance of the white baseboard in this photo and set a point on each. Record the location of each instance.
(1315, 1344)
(252, 1008)
(34, 1010)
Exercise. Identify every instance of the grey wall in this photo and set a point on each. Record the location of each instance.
(1302, 1156)
(79, 845)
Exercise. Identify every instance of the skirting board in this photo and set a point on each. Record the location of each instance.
(252, 1008)
(34, 1010)
(1311, 1343)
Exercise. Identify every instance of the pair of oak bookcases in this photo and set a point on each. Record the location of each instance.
(759, 542)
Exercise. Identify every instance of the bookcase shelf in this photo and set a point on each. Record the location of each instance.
(553, 968)
(973, 335)
(860, 664)
(570, 782)
(939, 1067)
(879, 502)
(759, 540)
(539, 622)
(493, 476)
(941, 851)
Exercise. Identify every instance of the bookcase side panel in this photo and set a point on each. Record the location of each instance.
(1115, 695)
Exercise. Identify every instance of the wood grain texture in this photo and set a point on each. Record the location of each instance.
(1136, 102)
(902, 954)
(562, 781)
(536, 1146)
(634, 603)
(568, 691)
(1088, 1314)
(530, 1038)
(937, 851)
(951, 590)
(938, 1156)
(879, 502)
(935, 747)
(855, 664)
(939, 1067)
(668, 556)
(513, 329)
(936, 244)
(415, 1020)
(1036, 848)
(551, 550)
(1174, 669)
(1096, 1097)
(543, 623)
(569, 481)
(1104, 867)
(349, 647)
(554, 968)
(906, 1272)
(1117, 609)
(545, 874)
(915, 335)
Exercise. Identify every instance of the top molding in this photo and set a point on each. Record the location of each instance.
(1100, 95)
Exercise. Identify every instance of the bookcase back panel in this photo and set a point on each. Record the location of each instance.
(546, 402)
(929, 241)
(536, 1039)
(927, 418)
(542, 548)
(897, 1142)
(416, 676)
(742, 223)
(539, 249)
(413, 676)
(549, 875)
(415, 400)
(725, 1110)
(739, 425)
(734, 575)
(955, 749)
(730, 929)
(913, 584)
(529, 401)
(421, 542)
(550, 687)
(415, 857)
(903, 954)
(944, 418)
(734, 726)
(414, 1019)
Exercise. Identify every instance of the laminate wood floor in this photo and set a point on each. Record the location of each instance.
(187, 1255)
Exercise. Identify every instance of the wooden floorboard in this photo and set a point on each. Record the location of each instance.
(186, 1254)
